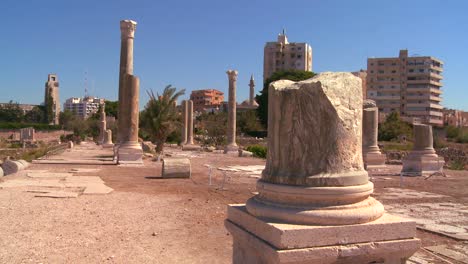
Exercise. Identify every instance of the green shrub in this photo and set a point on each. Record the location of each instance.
(462, 138)
(456, 165)
(37, 126)
(258, 151)
(452, 131)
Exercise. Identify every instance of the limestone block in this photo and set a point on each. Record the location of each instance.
(176, 168)
(390, 239)
(24, 163)
(191, 147)
(11, 167)
(70, 144)
(148, 146)
(245, 153)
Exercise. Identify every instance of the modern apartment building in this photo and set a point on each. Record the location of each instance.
(83, 107)
(408, 85)
(207, 99)
(52, 93)
(282, 55)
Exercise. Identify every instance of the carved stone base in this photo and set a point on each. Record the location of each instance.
(374, 159)
(231, 149)
(389, 239)
(422, 165)
(111, 145)
(130, 154)
(342, 205)
(191, 147)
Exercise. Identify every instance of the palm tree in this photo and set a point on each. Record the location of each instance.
(160, 117)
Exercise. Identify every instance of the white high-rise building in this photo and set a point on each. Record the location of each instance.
(283, 55)
(83, 107)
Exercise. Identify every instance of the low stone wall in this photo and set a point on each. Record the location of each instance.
(40, 135)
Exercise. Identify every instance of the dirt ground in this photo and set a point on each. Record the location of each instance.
(147, 219)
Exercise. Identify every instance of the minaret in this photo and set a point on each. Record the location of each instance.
(252, 90)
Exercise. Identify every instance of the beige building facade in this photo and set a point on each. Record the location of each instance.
(408, 85)
(283, 55)
(455, 118)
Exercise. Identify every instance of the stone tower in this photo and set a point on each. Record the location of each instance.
(252, 90)
(52, 93)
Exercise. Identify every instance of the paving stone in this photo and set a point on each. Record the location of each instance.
(58, 194)
(444, 251)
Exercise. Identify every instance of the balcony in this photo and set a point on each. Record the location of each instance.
(436, 83)
(435, 91)
(436, 113)
(386, 97)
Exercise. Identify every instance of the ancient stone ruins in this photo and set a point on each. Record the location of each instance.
(187, 112)
(313, 203)
(422, 160)
(370, 121)
(128, 150)
(102, 126)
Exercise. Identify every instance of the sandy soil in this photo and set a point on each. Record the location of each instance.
(148, 219)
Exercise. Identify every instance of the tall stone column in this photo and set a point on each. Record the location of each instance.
(372, 156)
(184, 121)
(422, 160)
(127, 29)
(231, 131)
(102, 126)
(190, 145)
(129, 150)
(313, 203)
(189, 122)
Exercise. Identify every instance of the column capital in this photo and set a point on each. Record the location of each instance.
(232, 75)
(127, 28)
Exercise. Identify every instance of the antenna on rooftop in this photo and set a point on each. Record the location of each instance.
(86, 83)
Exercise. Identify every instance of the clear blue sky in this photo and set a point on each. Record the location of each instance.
(191, 44)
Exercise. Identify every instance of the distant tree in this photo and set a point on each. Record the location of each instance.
(248, 121)
(36, 115)
(394, 127)
(11, 112)
(112, 108)
(262, 98)
(160, 116)
(213, 128)
(49, 109)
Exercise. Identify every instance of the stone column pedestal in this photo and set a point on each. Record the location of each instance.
(373, 158)
(313, 203)
(108, 139)
(422, 160)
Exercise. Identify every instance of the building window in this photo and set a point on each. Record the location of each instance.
(381, 71)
